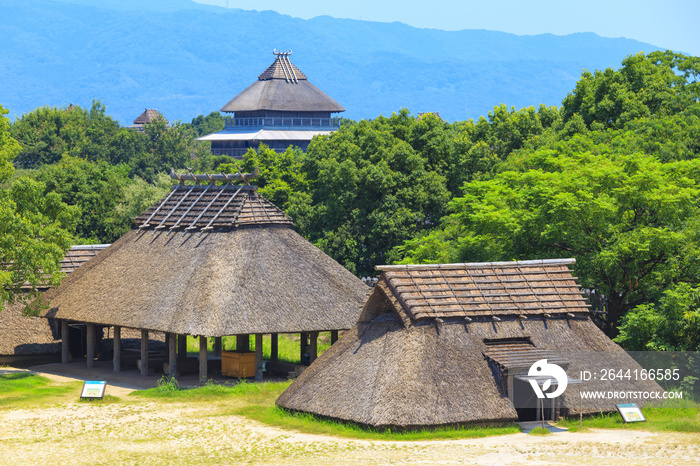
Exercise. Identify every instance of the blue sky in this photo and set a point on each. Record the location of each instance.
(670, 24)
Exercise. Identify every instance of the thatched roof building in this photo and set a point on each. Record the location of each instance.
(282, 108)
(212, 261)
(148, 115)
(24, 337)
(453, 343)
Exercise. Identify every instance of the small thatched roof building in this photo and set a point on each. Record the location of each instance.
(212, 261)
(453, 343)
(27, 339)
(148, 115)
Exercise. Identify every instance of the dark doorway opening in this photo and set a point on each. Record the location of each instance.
(528, 406)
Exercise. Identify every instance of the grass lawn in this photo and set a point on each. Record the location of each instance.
(288, 345)
(46, 422)
(257, 401)
(670, 416)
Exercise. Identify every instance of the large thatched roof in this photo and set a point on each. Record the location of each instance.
(282, 87)
(23, 335)
(213, 261)
(435, 343)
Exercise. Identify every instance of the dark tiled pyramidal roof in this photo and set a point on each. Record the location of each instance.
(483, 289)
(211, 207)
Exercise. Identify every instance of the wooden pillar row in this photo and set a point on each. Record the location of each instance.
(202, 359)
(144, 352)
(243, 343)
(182, 346)
(258, 357)
(334, 336)
(303, 347)
(274, 350)
(217, 346)
(313, 347)
(65, 342)
(90, 350)
(117, 349)
(172, 356)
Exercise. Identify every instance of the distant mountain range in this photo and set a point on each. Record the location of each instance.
(186, 59)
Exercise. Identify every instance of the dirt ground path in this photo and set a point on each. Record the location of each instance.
(181, 433)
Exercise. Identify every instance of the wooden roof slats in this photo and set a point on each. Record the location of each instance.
(212, 207)
(519, 355)
(174, 209)
(193, 225)
(528, 287)
(182, 217)
(221, 210)
(147, 223)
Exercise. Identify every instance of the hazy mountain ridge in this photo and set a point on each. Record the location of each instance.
(185, 59)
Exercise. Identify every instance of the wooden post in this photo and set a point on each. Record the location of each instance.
(144, 352)
(117, 349)
(334, 336)
(172, 356)
(274, 351)
(90, 339)
(182, 346)
(258, 357)
(65, 342)
(313, 348)
(243, 343)
(217, 346)
(303, 347)
(202, 359)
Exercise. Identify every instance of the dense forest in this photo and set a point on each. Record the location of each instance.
(610, 178)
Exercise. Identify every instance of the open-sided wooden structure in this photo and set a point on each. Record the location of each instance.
(211, 260)
(25, 339)
(453, 343)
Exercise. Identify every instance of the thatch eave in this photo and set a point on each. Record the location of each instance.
(247, 280)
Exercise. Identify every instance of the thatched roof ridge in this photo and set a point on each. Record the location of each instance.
(211, 207)
(282, 87)
(265, 279)
(282, 68)
(487, 289)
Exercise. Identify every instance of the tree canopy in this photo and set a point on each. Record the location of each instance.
(34, 228)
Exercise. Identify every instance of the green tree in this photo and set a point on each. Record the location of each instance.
(369, 191)
(48, 133)
(662, 83)
(203, 125)
(628, 219)
(94, 187)
(33, 229)
(671, 324)
(136, 197)
(155, 150)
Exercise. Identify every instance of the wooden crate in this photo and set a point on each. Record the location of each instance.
(238, 364)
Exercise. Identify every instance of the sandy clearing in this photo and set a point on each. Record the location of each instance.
(182, 433)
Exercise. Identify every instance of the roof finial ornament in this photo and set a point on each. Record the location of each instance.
(283, 58)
